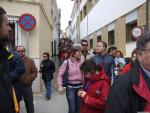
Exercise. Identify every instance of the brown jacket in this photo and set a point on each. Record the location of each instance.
(30, 72)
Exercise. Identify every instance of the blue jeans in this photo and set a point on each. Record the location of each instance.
(48, 87)
(73, 100)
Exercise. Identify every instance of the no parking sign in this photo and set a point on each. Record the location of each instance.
(27, 22)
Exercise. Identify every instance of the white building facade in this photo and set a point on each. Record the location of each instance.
(112, 21)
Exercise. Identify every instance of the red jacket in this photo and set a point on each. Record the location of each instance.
(95, 99)
(125, 69)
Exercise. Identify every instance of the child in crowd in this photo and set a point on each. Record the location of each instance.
(96, 88)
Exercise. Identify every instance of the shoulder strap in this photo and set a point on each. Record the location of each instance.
(67, 68)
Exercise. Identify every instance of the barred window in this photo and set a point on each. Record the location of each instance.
(111, 38)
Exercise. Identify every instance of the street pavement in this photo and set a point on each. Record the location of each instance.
(57, 103)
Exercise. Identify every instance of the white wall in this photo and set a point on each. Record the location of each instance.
(129, 48)
(83, 28)
(105, 12)
(73, 27)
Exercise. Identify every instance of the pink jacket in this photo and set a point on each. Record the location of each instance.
(74, 72)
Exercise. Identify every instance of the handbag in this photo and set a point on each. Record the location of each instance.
(65, 77)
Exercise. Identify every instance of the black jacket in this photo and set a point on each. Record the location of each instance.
(16, 70)
(123, 98)
(47, 69)
(6, 95)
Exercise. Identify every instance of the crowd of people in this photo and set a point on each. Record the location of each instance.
(104, 81)
(99, 82)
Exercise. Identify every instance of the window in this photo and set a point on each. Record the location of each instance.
(111, 38)
(99, 38)
(129, 27)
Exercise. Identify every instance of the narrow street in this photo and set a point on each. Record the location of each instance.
(57, 104)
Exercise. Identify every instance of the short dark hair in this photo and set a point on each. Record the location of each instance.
(47, 54)
(142, 41)
(121, 54)
(104, 44)
(84, 41)
(111, 48)
(2, 12)
(90, 66)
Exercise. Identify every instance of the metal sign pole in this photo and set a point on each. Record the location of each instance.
(27, 43)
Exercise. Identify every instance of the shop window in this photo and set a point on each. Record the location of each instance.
(129, 27)
(99, 38)
(91, 43)
(111, 38)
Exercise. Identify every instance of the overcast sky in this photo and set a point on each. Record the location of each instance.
(66, 9)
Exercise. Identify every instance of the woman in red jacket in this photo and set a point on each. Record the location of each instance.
(96, 88)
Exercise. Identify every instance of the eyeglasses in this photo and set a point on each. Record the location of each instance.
(20, 51)
(148, 50)
(84, 45)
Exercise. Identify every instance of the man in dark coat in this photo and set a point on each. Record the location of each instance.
(131, 92)
(16, 70)
(6, 93)
(47, 68)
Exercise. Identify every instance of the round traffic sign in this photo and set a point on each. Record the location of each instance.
(137, 32)
(27, 22)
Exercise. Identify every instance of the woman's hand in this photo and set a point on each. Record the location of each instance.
(60, 90)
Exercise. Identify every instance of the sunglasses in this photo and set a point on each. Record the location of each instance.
(84, 45)
(20, 51)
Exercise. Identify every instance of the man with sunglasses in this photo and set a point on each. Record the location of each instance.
(85, 52)
(47, 69)
(27, 79)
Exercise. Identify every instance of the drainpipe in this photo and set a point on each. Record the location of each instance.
(147, 15)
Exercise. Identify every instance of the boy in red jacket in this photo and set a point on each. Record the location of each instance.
(96, 88)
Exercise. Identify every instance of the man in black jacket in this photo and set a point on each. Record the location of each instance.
(47, 68)
(6, 92)
(131, 92)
